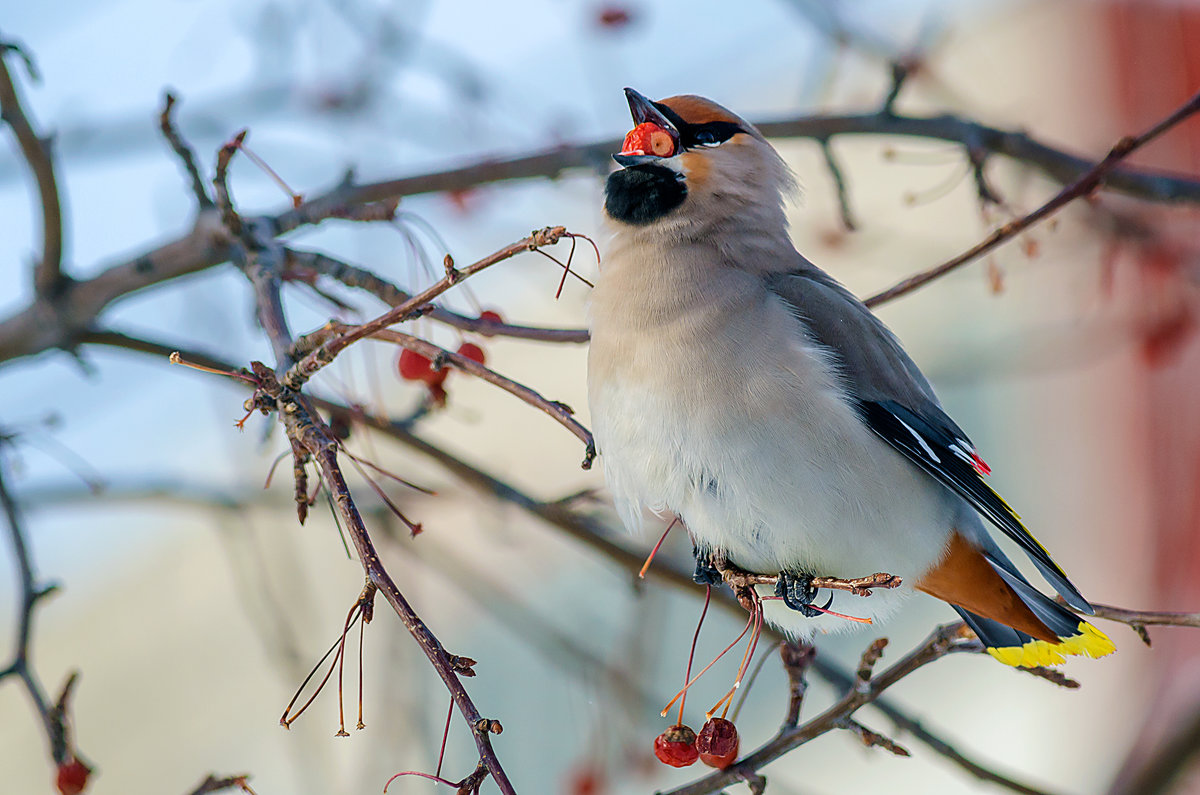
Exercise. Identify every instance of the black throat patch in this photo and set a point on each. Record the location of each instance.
(644, 193)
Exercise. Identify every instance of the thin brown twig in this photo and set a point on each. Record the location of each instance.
(304, 425)
(363, 279)
(47, 276)
(53, 716)
(166, 124)
(561, 412)
(212, 784)
(1084, 185)
(314, 361)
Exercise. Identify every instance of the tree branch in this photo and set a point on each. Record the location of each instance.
(364, 279)
(36, 329)
(47, 277)
(1089, 181)
(53, 716)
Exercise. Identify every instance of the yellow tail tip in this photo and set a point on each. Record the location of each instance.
(1086, 642)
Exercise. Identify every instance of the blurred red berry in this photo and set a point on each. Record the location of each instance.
(469, 350)
(488, 314)
(718, 743)
(587, 779)
(415, 367)
(676, 747)
(72, 777)
(613, 17)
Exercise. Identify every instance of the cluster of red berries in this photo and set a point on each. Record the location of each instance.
(416, 367)
(715, 746)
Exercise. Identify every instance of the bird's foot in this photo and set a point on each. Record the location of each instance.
(798, 593)
(706, 573)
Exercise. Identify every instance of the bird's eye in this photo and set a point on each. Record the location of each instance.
(713, 134)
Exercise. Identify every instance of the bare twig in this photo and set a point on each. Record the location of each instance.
(32, 330)
(873, 739)
(561, 412)
(839, 184)
(363, 279)
(1084, 185)
(310, 364)
(213, 784)
(53, 716)
(796, 656)
(187, 157)
(48, 277)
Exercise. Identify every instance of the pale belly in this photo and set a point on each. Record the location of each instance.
(785, 481)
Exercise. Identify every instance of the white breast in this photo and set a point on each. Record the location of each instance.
(721, 412)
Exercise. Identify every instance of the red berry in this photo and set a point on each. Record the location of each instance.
(414, 367)
(648, 139)
(72, 777)
(488, 314)
(718, 743)
(586, 780)
(676, 747)
(614, 16)
(469, 350)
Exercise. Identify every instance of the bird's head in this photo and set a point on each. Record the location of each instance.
(689, 163)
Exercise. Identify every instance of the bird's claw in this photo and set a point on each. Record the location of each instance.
(798, 593)
(706, 573)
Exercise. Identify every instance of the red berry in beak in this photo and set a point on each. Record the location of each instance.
(676, 747)
(718, 743)
(648, 139)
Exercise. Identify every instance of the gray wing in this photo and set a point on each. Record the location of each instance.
(895, 400)
(874, 365)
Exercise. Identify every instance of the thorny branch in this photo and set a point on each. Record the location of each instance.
(48, 276)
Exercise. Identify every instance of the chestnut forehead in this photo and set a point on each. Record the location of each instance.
(698, 110)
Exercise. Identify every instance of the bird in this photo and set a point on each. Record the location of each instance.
(735, 385)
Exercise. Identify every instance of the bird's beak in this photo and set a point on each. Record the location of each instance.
(653, 137)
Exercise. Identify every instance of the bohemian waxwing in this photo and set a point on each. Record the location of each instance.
(735, 384)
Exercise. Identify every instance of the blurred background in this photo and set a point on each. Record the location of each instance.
(192, 602)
